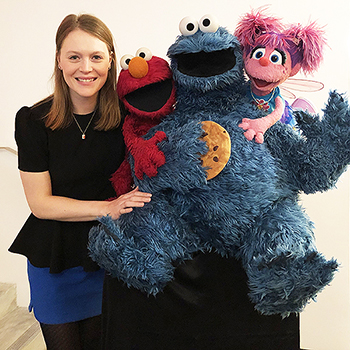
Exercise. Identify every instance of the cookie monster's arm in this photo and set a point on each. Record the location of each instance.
(315, 160)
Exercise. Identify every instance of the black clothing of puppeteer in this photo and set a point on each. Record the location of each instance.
(205, 307)
(79, 169)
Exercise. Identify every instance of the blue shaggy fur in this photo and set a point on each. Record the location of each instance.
(250, 210)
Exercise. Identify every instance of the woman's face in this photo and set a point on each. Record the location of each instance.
(84, 60)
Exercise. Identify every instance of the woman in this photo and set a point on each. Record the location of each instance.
(69, 144)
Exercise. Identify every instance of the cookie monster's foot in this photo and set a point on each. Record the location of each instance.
(285, 285)
(148, 270)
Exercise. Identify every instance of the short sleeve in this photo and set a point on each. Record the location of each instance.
(31, 139)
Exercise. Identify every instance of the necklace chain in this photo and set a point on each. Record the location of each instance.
(83, 136)
(265, 101)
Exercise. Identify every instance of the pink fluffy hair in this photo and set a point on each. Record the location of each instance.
(305, 44)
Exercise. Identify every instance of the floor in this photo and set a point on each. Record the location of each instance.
(18, 328)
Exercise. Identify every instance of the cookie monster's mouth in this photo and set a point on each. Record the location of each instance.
(206, 64)
(152, 97)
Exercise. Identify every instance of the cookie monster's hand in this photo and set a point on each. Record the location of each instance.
(314, 160)
(334, 126)
(147, 156)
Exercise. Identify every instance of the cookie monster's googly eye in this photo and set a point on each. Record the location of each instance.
(144, 53)
(208, 24)
(188, 26)
(125, 60)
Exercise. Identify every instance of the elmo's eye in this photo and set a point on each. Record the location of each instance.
(208, 24)
(258, 53)
(188, 26)
(276, 57)
(145, 53)
(125, 60)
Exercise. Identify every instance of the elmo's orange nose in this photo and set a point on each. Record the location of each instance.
(138, 67)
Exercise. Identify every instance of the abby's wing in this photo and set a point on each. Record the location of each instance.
(303, 85)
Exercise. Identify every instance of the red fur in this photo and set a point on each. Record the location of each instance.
(147, 156)
(122, 179)
(158, 70)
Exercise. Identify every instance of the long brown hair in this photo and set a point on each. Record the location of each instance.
(61, 112)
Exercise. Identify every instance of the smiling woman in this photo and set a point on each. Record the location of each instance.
(85, 64)
(84, 61)
(69, 144)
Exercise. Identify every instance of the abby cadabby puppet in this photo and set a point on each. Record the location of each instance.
(273, 52)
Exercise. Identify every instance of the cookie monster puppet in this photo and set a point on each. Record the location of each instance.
(247, 208)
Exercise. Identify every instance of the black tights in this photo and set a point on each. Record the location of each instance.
(79, 335)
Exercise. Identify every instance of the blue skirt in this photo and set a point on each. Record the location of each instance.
(69, 296)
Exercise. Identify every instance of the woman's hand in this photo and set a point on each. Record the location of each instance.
(44, 205)
(126, 202)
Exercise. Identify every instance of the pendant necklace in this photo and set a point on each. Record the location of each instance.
(83, 136)
(261, 103)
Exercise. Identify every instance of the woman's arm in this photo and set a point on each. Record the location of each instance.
(37, 189)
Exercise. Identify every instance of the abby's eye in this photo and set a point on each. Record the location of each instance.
(144, 53)
(125, 60)
(277, 57)
(188, 26)
(208, 24)
(258, 53)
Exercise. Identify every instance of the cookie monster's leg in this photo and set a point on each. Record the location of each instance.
(140, 246)
(283, 266)
(210, 219)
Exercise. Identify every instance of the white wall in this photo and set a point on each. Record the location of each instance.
(14, 211)
(325, 324)
(27, 54)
